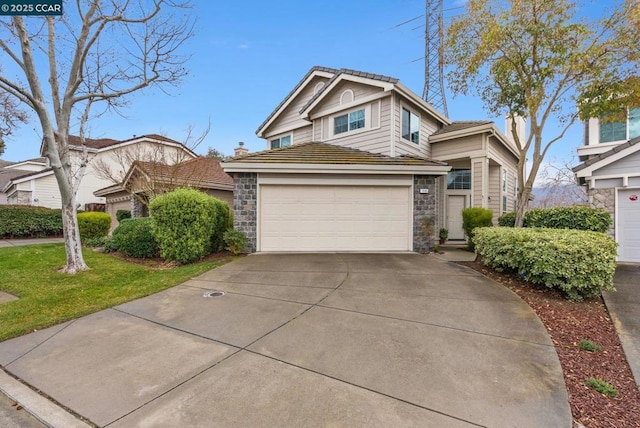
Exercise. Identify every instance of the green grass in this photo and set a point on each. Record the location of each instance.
(47, 297)
(602, 386)
(587, 345)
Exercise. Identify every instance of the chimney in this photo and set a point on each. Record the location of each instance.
(240, 150)
(521, 129)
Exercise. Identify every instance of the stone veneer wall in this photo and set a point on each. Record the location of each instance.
(245, 209)
(604, 199)
(425, 205)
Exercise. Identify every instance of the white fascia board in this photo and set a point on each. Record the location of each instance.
(588, 171)
(288, 168)
(597, 149)
(386, 86)
(19, 164)
(31, 177)
(260, 132)
(487, 127)
(408, 93)
(136, 141)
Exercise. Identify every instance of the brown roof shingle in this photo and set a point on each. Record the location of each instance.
(201, 171)
(100, 143)
(322, 153)
(606, 154)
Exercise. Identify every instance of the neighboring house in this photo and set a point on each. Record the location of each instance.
(40, 187)
(611, 172)
(14, 170)
(147, 179)
(357, 162)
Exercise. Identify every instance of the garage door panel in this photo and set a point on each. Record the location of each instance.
(334, 218)
(628, 225)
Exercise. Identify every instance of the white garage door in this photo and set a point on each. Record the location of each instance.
(628, 225)
(334, 218)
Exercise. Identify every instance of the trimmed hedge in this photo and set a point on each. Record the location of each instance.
(23, 221)
(235, 241)
(134, 238)
(122, 214)
(473, 218)
(580, 263)
(577, 217)
(189, 224)
(93, 224)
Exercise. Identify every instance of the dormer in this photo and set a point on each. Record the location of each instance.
(599, 136)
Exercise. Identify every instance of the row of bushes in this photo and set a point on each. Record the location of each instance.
(580, 263)
(578, 218)
(21, 221)
(185, 225)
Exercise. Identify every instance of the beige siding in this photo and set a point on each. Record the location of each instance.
(290, 118)
(476, 182)
(332, 100)
(223, 195)
(47, 193)
(495, 192)
(427, 127)
(457, 148)
(374, 140)
(303, 135)
(508, 160)
(116, 202)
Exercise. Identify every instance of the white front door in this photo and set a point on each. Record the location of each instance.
(628, 225)
(455, 205)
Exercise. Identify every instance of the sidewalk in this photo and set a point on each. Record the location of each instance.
(33, 241)
(624, 308)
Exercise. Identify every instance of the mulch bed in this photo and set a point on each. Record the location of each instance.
(568, 323)
(160, 263)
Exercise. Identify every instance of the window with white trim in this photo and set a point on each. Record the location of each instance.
(623, 130)
(349, 122)
(410, 126)
(459, 179)
(284, 141)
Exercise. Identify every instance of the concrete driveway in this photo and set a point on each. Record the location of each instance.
(306, 340)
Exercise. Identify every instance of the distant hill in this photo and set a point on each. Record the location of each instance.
(558, 195)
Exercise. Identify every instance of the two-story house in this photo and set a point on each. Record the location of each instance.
(358, 162)
(108, 160)
(611, 172)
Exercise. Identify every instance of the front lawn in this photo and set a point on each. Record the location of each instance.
(47, 297)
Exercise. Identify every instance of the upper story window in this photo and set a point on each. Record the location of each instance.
(348, 122)
(459, 179)
(410, 126)
(284, 141)
(621, 131)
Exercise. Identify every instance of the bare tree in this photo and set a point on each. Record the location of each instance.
(10, 116)
(560, 188)
(153, 161)
(98, 53)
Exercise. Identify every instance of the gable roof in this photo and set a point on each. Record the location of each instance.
(315, 71)
(20, 175)
(201, 172)
(620, 151)
(99, 144)
(336, 76)
(473, 127)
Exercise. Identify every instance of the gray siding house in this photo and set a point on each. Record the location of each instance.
(611, 172)
(356, 161)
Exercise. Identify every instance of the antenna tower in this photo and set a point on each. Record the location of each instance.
(433, 92)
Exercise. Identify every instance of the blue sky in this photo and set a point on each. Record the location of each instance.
(248, 55)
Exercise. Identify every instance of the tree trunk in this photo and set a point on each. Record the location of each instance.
(73, 247)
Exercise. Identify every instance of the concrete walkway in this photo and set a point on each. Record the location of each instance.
(305, 339)
(20, 242)
(624, 308)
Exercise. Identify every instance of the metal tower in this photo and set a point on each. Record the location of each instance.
(433, 92)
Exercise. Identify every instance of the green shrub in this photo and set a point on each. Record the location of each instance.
(577, 217)
(580, 263)
(235, 241)
(23, 221)
(587, 345)
(122, 215)
(93, 224)
(188, 224)
(95, 242)
(475, 217)
(134, 238)
(507, 219)
(602, 386)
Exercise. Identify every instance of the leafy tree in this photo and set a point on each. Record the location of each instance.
(100, 51)
(536, 59)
